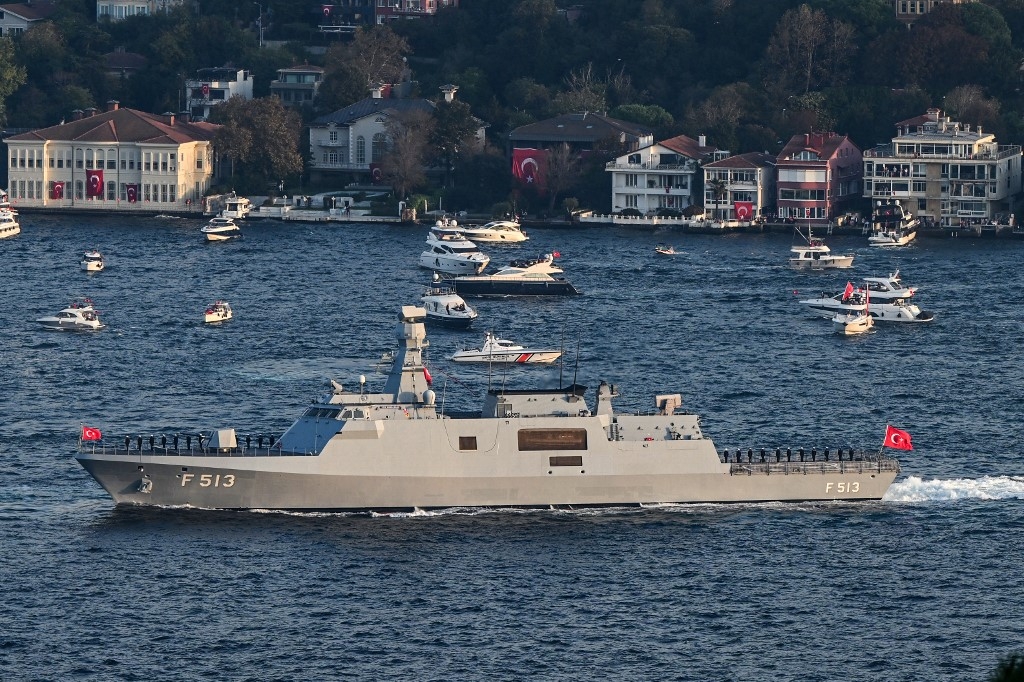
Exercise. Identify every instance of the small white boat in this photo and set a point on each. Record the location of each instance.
(814, 255)
(221, 229)
(218, 311)
(92, 261)
(449, 251)
(79, 316)
(891, 225)
(665, 250)
(446, 307)
(888, 288)
(236, 207)
(852, 323)
(503, 351)
(496, 231)
(9, 225)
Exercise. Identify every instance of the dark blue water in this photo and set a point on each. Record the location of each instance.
(923, 585)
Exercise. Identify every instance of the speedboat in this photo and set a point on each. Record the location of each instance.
(520, 278)
(446, 307)
(853, 323)
(9, 225)
(665, 250)
(218, 311)
(503, 351)
(814, 255)
(79, 316)
(892, 310)
(450, 252)
(888, 288)
(496, 231)
(92, 261)
(891, 225)
(221, 229)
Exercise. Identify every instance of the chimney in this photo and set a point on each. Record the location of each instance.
(77, 115)
(185, 116)
(377, 91)
(169, 115)
(113, 105)
(979, 131)
(90, 111)
(702, 141)
(449, 91)
(807, 139)
(933, 115)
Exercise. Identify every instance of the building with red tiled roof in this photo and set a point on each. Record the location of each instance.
(659, 176)
(817, 174)
(16, 18)
(118, 159)
(740, 187)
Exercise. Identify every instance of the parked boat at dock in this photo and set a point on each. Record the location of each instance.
(892, 225)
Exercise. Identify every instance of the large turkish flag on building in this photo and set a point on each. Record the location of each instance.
(57, 190)
(94, 183)
(529, 167)
(132, 192)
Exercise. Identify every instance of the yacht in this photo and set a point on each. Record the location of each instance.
(79, 316)
(449, 251)
(814, 255)
(520, 278)
(218, 311)
(888, 288)
(503, 351)
(9, 225)
(665, 250)
(496, 231)
(236, 207)
(400, 446)
(891, 225)
(855, 301)
(446, 307)
(92, 261)
(221, 229)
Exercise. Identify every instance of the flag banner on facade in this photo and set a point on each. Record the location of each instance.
(132, 193)
(376, 174)
(89, 433)
(206, 89)
(94, 183)
(897, 438)
(57, 190)
(327, 11)
(529, 167)
(744, 209)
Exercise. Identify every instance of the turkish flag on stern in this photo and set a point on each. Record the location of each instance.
(897, 438)
(89, 433)
(94, 183)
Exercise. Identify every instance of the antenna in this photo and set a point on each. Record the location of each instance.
(576, 370)
(561, 359)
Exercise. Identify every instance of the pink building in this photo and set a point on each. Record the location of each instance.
(817, 174)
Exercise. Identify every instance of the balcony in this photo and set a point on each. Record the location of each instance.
(886, 152)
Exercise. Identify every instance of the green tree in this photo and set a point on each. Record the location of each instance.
(12, 76)
(403, 163)
(453, 131)
(376, 55)
(562, 172)
(261, 136)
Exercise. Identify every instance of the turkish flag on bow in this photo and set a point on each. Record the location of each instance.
(132, 192)
(57, 190)
(744, 209)
(94, 183)
(529, 167)
(897, 438)
(89, 433)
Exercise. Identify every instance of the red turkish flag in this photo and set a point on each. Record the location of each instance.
(529, 166)
(744, 209)
(132, 192)
(848, 291)
(376, 174)
(327, 11)
(94, 183)
(426, 375)
(897, 439)
(57, 190)
(206, 89)
(89, 433)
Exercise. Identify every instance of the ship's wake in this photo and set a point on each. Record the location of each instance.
(916, 489)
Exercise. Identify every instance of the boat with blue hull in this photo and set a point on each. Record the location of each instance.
(400, 449)
(533, 277)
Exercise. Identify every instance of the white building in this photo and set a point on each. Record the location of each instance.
(740, 187)
(119, 159)
(213, 86)
(944, 171)
(16, 18)
(297, 85)
(660, 175)
(352, 140)
(116, 10)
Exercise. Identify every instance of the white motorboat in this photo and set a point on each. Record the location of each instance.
(92, 261)
(236, 207)
(496, 231)
(79, 316)
(665, 250)
(893, 310)
(221, 229)
(889, 288)
(9, 225)
(814, 255)
(891, 225)
(503, 351)
(446, 307)
(532, 277)
(853, 323)
(450, 252)
(218, 311)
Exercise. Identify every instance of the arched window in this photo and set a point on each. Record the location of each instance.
(380, 143)
(111, 159)
(360, 150)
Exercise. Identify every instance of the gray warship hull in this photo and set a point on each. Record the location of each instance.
(397, 450)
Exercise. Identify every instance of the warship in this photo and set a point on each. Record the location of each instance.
(401, 450)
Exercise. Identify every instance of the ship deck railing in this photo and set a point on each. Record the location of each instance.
(845, 466)
(195, 450)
